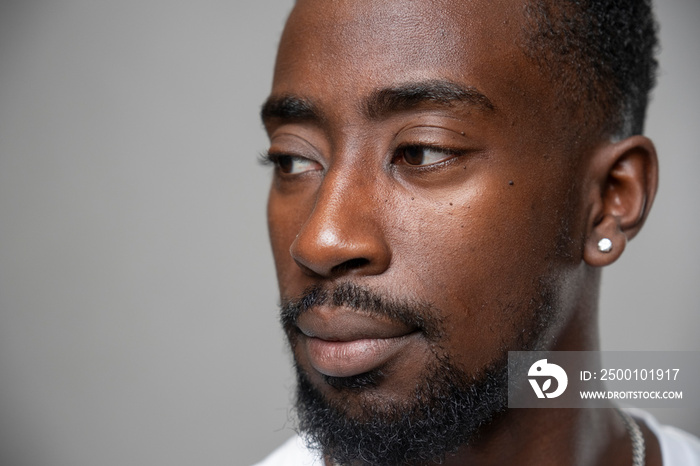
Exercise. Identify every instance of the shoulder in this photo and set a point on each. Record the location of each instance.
(678, 448)
(293, 452)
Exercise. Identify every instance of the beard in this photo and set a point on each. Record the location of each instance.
(444, 414)
(448, 409)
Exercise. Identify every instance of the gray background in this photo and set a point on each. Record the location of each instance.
(137, 292)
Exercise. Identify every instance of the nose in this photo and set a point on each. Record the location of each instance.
(343, 234)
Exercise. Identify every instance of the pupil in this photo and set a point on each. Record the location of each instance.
(413, 155)
(285, 163)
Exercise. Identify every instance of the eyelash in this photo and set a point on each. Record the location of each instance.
(440, 149)
(266, 158)
(282, 162)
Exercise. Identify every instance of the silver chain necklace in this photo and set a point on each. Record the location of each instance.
(638, 447)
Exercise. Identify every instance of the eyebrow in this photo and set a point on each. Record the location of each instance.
(289, 107)
(410, 95)
(381, 102)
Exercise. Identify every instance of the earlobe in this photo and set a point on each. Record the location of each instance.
(605, 243)
(622, 189)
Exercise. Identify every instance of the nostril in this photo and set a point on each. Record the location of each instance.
(350, 265)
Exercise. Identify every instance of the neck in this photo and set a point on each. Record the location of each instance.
(578, 437)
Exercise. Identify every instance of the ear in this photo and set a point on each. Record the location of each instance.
(622, 189)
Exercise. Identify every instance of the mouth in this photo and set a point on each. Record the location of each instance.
(338, 342)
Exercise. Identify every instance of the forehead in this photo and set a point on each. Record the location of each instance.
(342, 48)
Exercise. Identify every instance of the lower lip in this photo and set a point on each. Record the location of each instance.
(348, 358)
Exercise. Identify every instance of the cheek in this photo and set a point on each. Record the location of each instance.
(475, 239)
(284, 221)
(479, 257)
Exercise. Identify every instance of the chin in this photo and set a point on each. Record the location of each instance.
(355, 420)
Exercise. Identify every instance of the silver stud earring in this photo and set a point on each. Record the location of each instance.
(605, 245)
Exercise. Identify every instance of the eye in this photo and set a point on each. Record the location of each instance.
(293, 165)
(422, 156)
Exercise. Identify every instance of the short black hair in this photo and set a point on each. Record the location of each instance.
(601, 56)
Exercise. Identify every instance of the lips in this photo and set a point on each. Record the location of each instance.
(339, 342)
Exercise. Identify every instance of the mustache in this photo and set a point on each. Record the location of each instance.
(413, 313)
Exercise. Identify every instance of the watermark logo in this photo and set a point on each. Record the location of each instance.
(592, 379)
(541, 369)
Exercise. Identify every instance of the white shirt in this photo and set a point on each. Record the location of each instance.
(293, 452)
(678, 448)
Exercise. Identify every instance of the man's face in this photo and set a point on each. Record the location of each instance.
(423, 201)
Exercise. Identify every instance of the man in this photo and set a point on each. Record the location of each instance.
(450, 177)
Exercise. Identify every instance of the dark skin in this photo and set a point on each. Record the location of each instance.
(465, 195)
